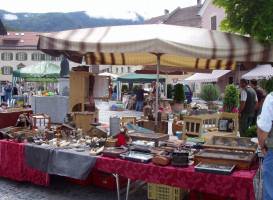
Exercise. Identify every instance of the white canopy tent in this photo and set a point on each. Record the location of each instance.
(260, 72)
(113, 76)
(207, 77)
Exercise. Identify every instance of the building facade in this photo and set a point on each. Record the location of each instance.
(180, 16)
(19, 49)
(211, 16)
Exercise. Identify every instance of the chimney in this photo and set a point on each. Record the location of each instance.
(199, 3)
(166, 12)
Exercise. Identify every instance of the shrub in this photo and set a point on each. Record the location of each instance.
(231, 98)
(179, 95)
(209, 92)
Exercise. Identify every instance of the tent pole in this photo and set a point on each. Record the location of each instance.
(157, 87)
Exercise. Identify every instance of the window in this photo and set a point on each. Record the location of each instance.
(37, 56)
(213, 23)
(21, 56)
(7, 70)
(116, 70)
(129, 69)
(121, 69)
(6, 56)
(108, 70)
(48, 57)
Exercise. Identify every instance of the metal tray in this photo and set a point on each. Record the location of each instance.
(137, 156)
(214, 168)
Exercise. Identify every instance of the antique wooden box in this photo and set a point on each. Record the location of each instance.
(231, 143)
(242, 160)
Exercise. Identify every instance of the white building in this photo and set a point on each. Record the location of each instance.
(19, 49)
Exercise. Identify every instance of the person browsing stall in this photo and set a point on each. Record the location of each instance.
(265, 137)
(248, 105)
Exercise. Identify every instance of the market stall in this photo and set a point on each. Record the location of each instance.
(44, 74)
(159, 44)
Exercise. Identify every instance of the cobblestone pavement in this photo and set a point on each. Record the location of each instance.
(60, 189)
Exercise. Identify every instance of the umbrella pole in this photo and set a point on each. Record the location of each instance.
(157, 87)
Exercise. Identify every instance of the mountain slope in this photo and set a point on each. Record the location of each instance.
(48, 22)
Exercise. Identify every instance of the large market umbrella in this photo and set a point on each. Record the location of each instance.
(260, 72)
(188, 47)
(43, 71)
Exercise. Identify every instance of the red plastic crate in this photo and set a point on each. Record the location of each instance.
(107, 181)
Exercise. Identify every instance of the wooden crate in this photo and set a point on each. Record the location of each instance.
(165, 192)
(40, 120)
(128, 119)
(83, 120)
(162, 126)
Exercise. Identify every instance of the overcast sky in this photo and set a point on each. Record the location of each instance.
(100, 8)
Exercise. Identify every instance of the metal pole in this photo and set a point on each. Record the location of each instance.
(157, 87)
(117, 184)
(128, 189)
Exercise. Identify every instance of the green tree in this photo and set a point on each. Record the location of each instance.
(252, 17)
(209, 92)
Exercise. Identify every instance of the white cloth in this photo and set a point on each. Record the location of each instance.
(264, 121)
(244, 95)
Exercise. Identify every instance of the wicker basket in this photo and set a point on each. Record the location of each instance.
(164, 192)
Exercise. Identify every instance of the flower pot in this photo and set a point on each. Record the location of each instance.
(177, 107)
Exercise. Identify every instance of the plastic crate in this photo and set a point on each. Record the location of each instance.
(164, 192)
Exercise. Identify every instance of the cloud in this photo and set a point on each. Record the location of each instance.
(10, 17)
(112, 14)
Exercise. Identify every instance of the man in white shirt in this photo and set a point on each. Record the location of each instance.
(265, 137)
(248, 104)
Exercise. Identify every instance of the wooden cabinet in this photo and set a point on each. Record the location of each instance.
(79, 90)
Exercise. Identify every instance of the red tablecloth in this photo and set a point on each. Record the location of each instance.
(12, 164)
(239, 185)
(10, 118)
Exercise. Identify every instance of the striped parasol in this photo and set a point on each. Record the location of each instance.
(156, 44)
(188, 47)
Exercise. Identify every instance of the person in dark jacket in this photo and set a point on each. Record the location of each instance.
(140, 98)
(248, 105)
(261, 94)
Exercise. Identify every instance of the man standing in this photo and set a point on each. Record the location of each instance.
(140, 98)
(8, 91)
(261, 94)
(248, 104)
(265, 137)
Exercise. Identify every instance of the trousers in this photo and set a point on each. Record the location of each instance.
(268, 176)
